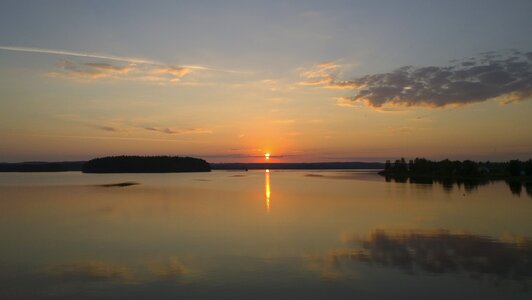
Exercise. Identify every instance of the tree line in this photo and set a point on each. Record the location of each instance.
(466, 168)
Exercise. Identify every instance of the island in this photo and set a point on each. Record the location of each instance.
(145, 164)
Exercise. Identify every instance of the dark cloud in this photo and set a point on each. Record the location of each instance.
(491, 75)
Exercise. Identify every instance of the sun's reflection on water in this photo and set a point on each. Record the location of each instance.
(267, 187)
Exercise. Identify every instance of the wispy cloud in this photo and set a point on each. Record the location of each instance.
(122, 138)
(325, 75)
(174, 131)
(93, 70)
(136, 68)
(107, 128)
(111, 68)
(134, 130)
(80, 54)
(505, 76)
(172, 73)
(130, 71)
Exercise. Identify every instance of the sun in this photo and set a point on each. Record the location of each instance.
(267, 155)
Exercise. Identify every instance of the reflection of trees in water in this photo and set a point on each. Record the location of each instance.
(517, 187)
(448, 184)
(441, 251)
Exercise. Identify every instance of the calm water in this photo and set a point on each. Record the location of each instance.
(261, 235)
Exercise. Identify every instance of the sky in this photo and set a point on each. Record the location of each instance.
(231, 81)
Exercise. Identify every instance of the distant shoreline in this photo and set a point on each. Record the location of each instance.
(422, 169)
(63, 166)
(69, 166)
(299, 166)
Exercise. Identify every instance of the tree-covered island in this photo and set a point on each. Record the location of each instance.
(145, 164)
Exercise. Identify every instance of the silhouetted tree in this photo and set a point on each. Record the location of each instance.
(400, 166)
(388, 166)
(469, 168)
(527, 167)
(514, 167)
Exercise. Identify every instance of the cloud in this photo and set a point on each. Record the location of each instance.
(505, 76)
(92, 70)
(324, 75)
(168, 130)
(80, 54)
(123, 138)
(107, 128)
(111, 68)
(172, 73)
(131, 71)
(136, 68)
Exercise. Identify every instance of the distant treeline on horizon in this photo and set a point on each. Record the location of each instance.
(42, 166)
(160, 164)
(79, 165)
(297, 166)
(467, 168)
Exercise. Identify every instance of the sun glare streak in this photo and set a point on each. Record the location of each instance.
(268, 192)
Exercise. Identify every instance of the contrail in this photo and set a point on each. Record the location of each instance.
(81, 54)
(110, 57)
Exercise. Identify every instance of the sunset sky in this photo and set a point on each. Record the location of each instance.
(233, 80)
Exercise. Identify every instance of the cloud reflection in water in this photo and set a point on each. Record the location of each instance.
(437, 252)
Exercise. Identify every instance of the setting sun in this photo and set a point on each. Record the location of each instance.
(267, 155)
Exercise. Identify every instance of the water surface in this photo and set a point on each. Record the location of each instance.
(258, 235)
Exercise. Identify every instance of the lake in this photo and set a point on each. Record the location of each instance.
(310, 234)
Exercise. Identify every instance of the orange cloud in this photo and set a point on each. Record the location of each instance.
(99, 70)
(171, 72)
(324, 75)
